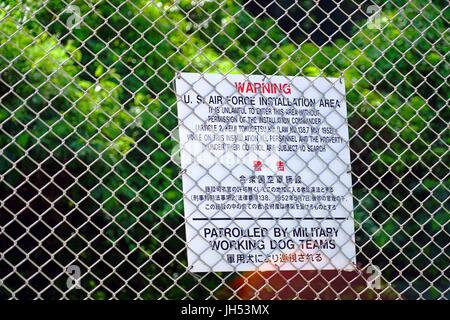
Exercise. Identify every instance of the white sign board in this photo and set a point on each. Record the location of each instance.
(266, 179)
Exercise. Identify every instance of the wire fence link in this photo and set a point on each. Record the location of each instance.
(92, 164)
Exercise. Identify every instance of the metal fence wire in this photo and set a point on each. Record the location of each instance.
(92, 204)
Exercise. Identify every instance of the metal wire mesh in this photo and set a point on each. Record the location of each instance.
(91, 185)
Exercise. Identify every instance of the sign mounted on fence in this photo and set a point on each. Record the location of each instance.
(266, 177)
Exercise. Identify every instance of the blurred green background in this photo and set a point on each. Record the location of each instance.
(86, 120)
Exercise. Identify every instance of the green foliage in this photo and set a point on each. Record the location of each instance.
(88, 113)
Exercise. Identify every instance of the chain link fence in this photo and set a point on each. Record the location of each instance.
(91, 195)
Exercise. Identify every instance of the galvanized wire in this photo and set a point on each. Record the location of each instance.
(91, 199)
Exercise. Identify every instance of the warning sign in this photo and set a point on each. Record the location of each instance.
(266, 179)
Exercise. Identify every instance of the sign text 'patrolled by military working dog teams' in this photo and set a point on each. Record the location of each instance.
(266, 172)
